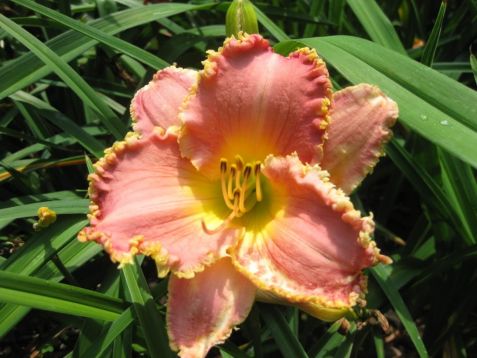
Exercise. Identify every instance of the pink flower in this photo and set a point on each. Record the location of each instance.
(235, 181)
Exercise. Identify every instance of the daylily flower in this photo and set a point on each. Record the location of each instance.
(236, 181)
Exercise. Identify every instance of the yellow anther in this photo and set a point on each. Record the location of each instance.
(236, 188)
(239, 162)
(223, 165)
(247, 171)
(258, 185)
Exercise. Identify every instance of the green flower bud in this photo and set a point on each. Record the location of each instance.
(241, 18)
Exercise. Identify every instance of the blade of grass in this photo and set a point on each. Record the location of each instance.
(56, 297)
(42, 246)
(381, 275)
(35, 124)
(73, 255)
(67, 74)
(336, 11)
(110, 334)
(433, 40)
(378, 345)
(18, 168)
(281, 332)
(58, 119)
(111, 41)
(424, 82)
(316, 9)
(147, 314)
(473, 64)
(460, 185)
(417, 89)
(430, 191)
(326, 341)
(377, 24)
(274, 30)
(76, 206)
(28, 69)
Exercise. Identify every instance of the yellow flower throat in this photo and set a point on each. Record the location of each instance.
(241, 188)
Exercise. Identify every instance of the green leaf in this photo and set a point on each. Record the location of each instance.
(328, 342)
(376, 24)
(111, 41)
(316, 9)
(281, 332)
(381, 275)
(336, 11)
(43, 245)
(67, 74)
(430, 191)
(433, 40)
(460, 185)
(473, 64)
(42, 294)
(27, 69)
(76, 206)
(73, 255)
(110, 334)
(146, 312)
(58, 119)
(276, 31)
(33, 121)
(421, 93)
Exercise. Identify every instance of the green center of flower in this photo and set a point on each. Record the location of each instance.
(241, 188)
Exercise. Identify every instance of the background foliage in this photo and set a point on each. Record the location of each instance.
(69, 69)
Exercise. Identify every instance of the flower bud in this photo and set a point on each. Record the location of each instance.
(46, 217)
(241, 17)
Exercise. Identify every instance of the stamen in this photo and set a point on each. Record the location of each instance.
(237, 196)
(235, 213)
(223, 165)
(239, 162)
(219, 228)
(258, 186)
(237, 188)
(230, 187)
(246, 175)
(223, 178)
(213, 231)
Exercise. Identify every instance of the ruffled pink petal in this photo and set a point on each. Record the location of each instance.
(147, 199)
(309, 244)
(359, 128)
(158, 103)
(203, 311)
(253, 102)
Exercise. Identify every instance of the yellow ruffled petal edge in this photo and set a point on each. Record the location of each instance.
(341, 203)
(245, 40)
(136, 243)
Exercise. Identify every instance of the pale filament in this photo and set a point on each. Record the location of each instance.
(227, 221)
